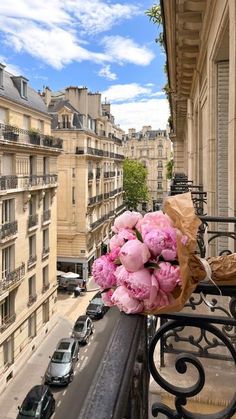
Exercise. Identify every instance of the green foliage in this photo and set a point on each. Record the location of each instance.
(169, 168)
(154, 14)
(135, 183)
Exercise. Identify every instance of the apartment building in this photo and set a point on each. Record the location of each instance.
(153, 149)
(28, 211)
(90, 175)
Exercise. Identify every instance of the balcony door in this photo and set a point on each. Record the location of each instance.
(7, 261)
(7, 165)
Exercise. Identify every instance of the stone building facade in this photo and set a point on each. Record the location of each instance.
(28, 211)
(90, 192)
(153, 149)
(200, 39)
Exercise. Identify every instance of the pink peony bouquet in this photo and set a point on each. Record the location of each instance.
(142, 273)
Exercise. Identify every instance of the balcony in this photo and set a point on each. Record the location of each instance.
(99, 222)
(106, 175)
(45, 252)
(90, 151)
(90, 176)
(31, 136)
(45, 287)
(98, 174)
(8, 182)
(46, 216)
(7, 321)
(33, 220)
(32, 261)
(106, 195)
(12, 278)
(32, 300)
(8, 230)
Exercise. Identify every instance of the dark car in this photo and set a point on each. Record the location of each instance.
(39, 403)
(60, 370)
(82, 329)
(96, 308)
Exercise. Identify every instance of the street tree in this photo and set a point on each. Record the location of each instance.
(135, 183)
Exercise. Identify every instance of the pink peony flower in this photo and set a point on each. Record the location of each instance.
(121, 275)
(168, 276)
(121, 237)
(162, 242)
(122, 299)
(153, 220)
(103, 272)
(106, 298)
(138, 283)
(162, 299)
(133, 255)
(114, 254)
(126, 220)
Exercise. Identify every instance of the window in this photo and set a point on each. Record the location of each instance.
(32, 247)
(65, 121)
(45, 165)
(159, 174)
(7, 211)
(73, 195)
(32, 205)
(7, 261)
(46, 312)
(8, 353)
(24, 89)
(160, 164)
(73, 172)
(32, 165)
(159, 185)
(32, 326)
(1, 77)
(32, 286)
(26, 122)
(45, 276)
(41, 126)
(45, 241)
(3, 115)
(159, 152)
(46, 201)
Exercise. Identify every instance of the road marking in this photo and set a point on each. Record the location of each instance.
(82, 357)
(84, 363)
(58, 403)
(64, 392)
(85, 350)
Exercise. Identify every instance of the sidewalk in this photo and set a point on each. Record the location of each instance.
(68, 309)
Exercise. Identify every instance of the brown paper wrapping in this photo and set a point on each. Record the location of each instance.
(181, 211)
(223, 269)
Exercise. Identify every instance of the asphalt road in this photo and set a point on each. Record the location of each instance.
(69, 399)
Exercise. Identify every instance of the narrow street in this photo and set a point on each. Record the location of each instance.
(68, 399)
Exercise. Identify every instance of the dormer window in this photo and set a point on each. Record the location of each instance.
(24, 89)
(1, 75)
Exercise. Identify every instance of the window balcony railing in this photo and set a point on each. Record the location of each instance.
(32, 261)
(24, 182)
(24, 136)
(106, 175)
(33, 220)
(32, 299)
(8, 230)
(45, 252)
(12, 278)
(98, 174)
(46, 216)
(45, 287)
(7, 321)
(106, 195)
(99, 198)
(90, 176)
(99, 222)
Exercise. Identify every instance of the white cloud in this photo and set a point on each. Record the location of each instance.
(121, 92)
(11, 68)
(125, 50)
(107, 73)
(154, 112)
(55, 46)
(99, 16)
(49, 31)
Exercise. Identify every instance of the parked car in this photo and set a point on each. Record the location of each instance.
(96, 308)
(82, 329)
(60, 370)
(39, 403)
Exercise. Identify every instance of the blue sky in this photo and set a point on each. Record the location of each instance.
(107, 46)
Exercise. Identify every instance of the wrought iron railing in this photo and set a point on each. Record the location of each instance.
(7, 321)
(32, 261)
(32, 300)
(46, 215)
(33, 220)
(25, 182)
(20, 135)
(8, 229)
(12, 278)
